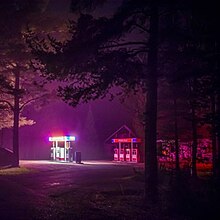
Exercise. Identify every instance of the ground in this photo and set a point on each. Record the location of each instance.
(100, 190)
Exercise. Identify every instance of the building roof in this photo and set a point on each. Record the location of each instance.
(131, 133)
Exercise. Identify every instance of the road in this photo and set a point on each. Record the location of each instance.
(46, 189)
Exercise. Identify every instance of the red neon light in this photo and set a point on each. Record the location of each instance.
(126, 140)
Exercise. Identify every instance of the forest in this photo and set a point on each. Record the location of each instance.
(161, 56)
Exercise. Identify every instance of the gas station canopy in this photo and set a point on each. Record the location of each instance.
(62, 138)
(62, 148)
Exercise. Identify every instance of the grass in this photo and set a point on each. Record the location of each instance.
(14, 171)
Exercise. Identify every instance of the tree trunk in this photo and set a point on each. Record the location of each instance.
(16, 121)
(218, 137)
(151, 172)
(194, 128)
(213, 134)
(194, 144)
(176, 135)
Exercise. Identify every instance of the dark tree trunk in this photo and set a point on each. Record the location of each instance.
(213, 134)
(176, 135)
(16, 121)
(151, 172)
(194, 144)
(218, 137)
(194, 127)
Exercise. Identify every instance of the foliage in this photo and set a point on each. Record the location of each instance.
(103, 53)
(19, 85)
(90, 73)
(7, 119)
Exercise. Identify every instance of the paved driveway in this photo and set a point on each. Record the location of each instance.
(42, 189)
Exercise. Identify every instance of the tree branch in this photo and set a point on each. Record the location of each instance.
(141, 27)
(8, 103)
(29, 101)
(123, 44)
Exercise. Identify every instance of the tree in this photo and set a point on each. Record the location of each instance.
(209, 38)
(108, 61)
(135, 104)
(18, 80)
(24, 91)
(199, 51)
(7, 119)
(103, 54)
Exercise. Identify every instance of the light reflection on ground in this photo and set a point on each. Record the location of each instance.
(89, 162)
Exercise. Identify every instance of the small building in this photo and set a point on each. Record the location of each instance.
(6, 157)
(123, 145)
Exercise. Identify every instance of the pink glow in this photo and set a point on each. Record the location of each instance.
(126, 140)
(62, 138)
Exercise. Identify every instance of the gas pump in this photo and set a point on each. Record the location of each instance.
(67, 146)
(116, 154)
(53, 152)
(127, 149)
(122, 155)
(135, 155)
(57, 153)
(69, 156)
(61, 149)
(128, 155)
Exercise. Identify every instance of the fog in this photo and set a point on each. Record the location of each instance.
(91, 123)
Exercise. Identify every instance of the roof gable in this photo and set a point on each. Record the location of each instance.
(123, 132)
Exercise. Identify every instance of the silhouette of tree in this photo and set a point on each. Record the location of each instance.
(103, 53)
(20, 86)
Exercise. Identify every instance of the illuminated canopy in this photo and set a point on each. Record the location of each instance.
(62, 138)
(126, 140)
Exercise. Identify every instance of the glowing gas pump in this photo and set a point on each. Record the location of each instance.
(61, 149)
(134, 156)
(128, 155)
(116, 154)
(127, 149)
(53, 151)
(122, 154)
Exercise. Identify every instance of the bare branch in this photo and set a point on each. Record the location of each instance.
(141, 27)
(124, 44)
(29, 101)
(8, 103)
(134, 53)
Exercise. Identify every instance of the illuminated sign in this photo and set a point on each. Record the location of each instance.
(126, 140)
(62, 138)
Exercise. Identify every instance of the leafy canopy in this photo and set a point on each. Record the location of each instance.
(103, 53)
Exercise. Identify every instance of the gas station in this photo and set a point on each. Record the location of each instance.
(126, 149)
(62, 148)
(124, 146)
